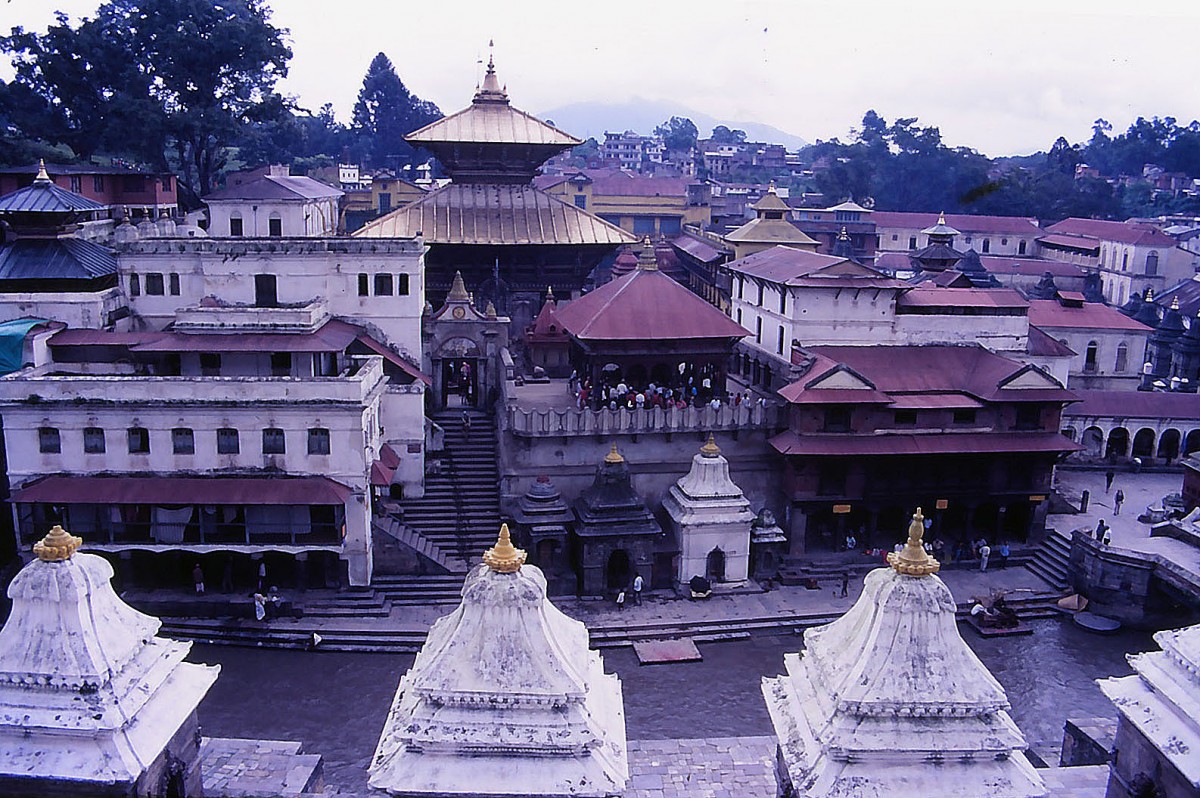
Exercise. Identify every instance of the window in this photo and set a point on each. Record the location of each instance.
(739, 315)
(1152, 264)
(166, 183)
(210, 364)
(1029, 417)
(183, 441)
(758, 330)
(741, 287)
(782, 299)
(895, 236)
(275, 226)
(265, 291)
(1123, 357)
(401, 285)
(760, 295)
(1004, 242)
(49, 441)
(1125, 261)
(135, 285)
(1089, 361)
(154, 284)
(139, 440)
(383, 284)
(966, 416)
(174, 284)
(905, 418)
(779, 343)
(1021, 247)
(581, 201)
(837, 419)
(987, 245)
(76, 183)
(93, 440)
(227, 441)
(912, 242)
(133, 183)
(385, 202)
(364, 285)
(670, 226)
(281, 364)
(273, 441)
(235, 227)
(643, 225)
(97, 182)
(318, 440)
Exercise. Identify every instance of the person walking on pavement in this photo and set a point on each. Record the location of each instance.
(198, 579)
(985, 551)
(621, 600)
(1118, 500)
(845, 584)
(1109, 476)
(637, 590)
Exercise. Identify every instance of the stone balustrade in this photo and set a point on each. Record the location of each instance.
(550, 422)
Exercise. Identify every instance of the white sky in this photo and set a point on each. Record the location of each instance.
(1001, 76)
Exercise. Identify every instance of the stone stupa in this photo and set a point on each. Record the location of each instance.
(504, 699)
(91, 702)
(889, 700)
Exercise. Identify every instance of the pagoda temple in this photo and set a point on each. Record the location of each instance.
(505, 698)
(508, 238)
(889, 700)
(769, 228)
(940, 255)
(92, 703)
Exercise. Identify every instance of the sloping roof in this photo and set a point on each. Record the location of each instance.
(171, 491)
(275, 187)
(701, 249)
(1031, 267)
(1070, 242)
(645, 305)
(490, 119)
(45, 197)
(1050, 314)
(923, 296)
(962, 222)
(1043, 344)
(1188, 293)
(1122, 232)
(1137, 404)
(769, 231)
(467, 213)
(788, 266)
(55, 259)
(792, 443)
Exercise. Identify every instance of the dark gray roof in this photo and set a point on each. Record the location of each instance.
(45, 197)
(273, 187)
(55, 259)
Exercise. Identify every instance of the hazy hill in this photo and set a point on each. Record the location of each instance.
(586, 119)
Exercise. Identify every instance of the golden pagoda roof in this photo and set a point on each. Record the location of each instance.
(770, 231)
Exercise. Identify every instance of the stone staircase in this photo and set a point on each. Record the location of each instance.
(1052, 560)
(354, 603)
(420, 589)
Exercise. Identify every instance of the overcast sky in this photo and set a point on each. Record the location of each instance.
(1002, 76)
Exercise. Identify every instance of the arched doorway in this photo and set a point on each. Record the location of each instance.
(714, 566)
(458, 365)
(1093, 441)
(1118, 443)
(618, 570)
(1192, 442)
(1143, 443)
(1168, 444)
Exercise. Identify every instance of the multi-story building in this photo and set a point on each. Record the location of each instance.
(639, 204)
(988, 235)
(274, 203)
(139, 193)
(1110, 347)
(846, 229)
(630, 150)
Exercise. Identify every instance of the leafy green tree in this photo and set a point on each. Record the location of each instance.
(678, 133)
(386, 111)
(723, 135)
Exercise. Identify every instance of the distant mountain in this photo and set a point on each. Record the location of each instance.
(586, 119)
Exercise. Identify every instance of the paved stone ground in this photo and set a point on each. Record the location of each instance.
(718, 767)
(240, 768)
(1089, 781)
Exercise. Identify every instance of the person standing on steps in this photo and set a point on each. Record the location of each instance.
(198, 579)
(466, 419)
(1118, 500)
(985, 551)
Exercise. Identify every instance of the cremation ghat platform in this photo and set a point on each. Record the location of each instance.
(653, 652)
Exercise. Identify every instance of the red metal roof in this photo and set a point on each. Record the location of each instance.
(1070, 242)
(795, 267)
(174, 491)
(931, 297)
(1137, 404)
(1044, 345)
(645, 305)
(1032, 267)
(934, 401)
(393, 358)
(962, 222)
(383, 468)
(700, 249)
(1122, 232)
(792, 443)
(1052, 314)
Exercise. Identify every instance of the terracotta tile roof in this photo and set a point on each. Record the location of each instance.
(1137, 404)
(1122, 232)
(478, 213)
(795, 267)
(962, 222)
(645, 305)
(1029, 267)
(923, 296)
(1052, 314)
(791, 443)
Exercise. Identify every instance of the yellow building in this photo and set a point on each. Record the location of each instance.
(639, 204)
(389, 193)
(771, 228)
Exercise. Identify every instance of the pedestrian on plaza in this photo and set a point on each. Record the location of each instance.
(1101, 527)
(1004, 551)
(621, 600)
(637, 589)
(1109, 476)
(985, 551)
(198, 579)
(1107, 539)
(845, 584)
(1118, 500)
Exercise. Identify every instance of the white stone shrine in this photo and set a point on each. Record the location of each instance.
(505, 698)
(91, 702)
(1158, 731)
(711, 518)
(888, 701)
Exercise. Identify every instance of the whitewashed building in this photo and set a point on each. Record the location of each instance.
(276, 204)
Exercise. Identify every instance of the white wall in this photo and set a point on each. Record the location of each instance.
(298, 218)
(77, 309)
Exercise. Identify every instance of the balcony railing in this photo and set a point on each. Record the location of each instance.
(549, 422)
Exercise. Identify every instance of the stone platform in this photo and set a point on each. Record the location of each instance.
(237, 768)
(717, 767)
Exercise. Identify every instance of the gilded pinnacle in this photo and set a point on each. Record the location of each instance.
(458, 290)
(1175, 303)
(710, 449)
(57, 545)
(913, 560)
(614, 456)
(42, 174)
(504, 557)
(490, 310)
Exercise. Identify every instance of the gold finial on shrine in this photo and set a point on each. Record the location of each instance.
(549, 293)
(1175, 303)
(942, 219)
(614, 457)
(504, 557)
(42, 174)
(647, 260)
(458, 290)
(710, 449)
(913, 560)
(57, 545)
(490, 311)
(771, 187)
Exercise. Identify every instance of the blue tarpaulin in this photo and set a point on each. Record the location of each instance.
(12, 342)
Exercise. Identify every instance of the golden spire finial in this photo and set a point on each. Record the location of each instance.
(614, 457)
(1149, 294)
(647, 260)
(57, 545)
(504, 557)
(1175, 303)
(942, 219)
(42, 174)
(549, 293)
(913, 560)
(771, 187)
(710, 449)
(458, 290)
(490, 311)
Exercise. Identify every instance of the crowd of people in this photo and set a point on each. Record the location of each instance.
(614, 393)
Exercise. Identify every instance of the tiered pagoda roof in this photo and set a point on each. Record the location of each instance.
(771, 225)
(611, 507)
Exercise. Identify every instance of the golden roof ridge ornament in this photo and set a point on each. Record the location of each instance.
(614, 457)
(549, 293)
(458, 290)
(647, 260)
(57, 546)
(42, 174)
(942, 219)
(710, 449)
(504, 557)
(490, 311)
(913, 560)
(1175, 302)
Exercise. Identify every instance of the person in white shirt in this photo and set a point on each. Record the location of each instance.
(637, 590)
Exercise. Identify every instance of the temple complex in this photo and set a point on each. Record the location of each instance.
(1158, 731)
(505, 698)
(711, 520)
(545, 521)
(507, 237)
(889, 700)
(770, 227)
(92, 703)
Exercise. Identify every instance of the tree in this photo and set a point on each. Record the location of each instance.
(158, 78)
(678, 133)
(386, 112)
(723, 135)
